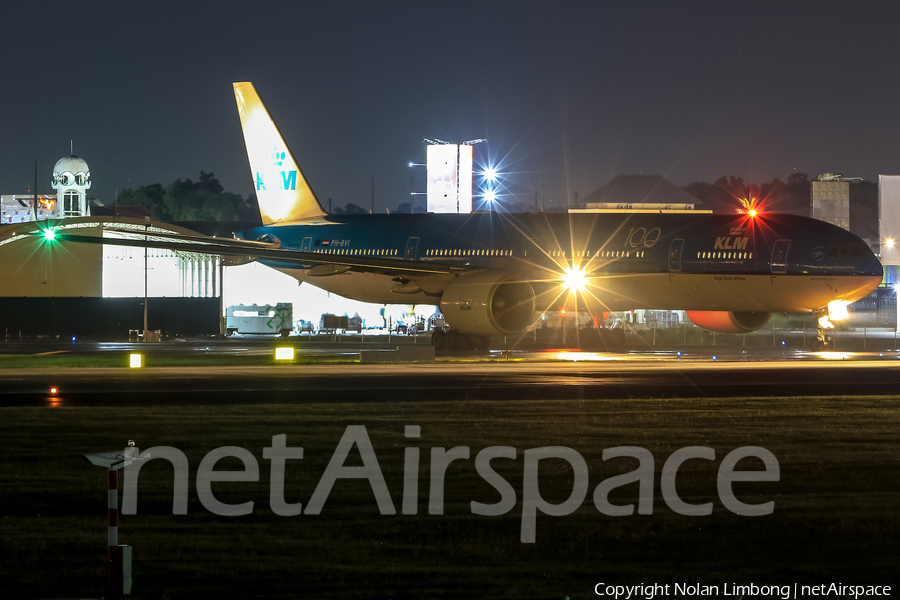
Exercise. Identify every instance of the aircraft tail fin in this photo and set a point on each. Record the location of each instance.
(281, 189)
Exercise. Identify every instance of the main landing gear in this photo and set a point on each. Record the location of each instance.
(822, 340)
(597, 336)
(602, 339)
(457, 341)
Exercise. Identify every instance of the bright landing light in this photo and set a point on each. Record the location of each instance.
(490, 195)
(490, 173)
(574, 279)
(837, 310)
(49, 235)
(889, 243)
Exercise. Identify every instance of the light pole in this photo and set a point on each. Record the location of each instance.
(146, 227)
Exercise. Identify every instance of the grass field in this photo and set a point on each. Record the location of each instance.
(836, 512)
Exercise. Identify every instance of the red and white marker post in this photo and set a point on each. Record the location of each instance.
(114, 588)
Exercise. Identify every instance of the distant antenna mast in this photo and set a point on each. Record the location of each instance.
(35, 207)
(373, 196)
(71, 148)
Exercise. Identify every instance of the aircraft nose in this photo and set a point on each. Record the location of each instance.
(872, 267)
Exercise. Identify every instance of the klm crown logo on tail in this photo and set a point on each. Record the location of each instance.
(281, 189)
(287, 179)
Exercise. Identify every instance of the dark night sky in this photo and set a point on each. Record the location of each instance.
(576, 92)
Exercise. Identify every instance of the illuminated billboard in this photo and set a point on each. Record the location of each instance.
(465, 178)
(889, 218)
(441, 166)
(831, 202)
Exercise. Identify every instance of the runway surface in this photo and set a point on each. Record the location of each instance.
(594, 376)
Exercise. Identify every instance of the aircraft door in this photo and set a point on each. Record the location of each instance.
(675, 251)
(412, 249)
(779, 256)
(306, 246)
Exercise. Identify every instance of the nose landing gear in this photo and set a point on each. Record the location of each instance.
(822, 340)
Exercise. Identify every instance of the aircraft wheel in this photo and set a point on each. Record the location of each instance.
(453, 341)
(814, 344)
(468, 342)
(482, 343)
(439, 339)
(618, 339)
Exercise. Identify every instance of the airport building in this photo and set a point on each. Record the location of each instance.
(829, 200)
(93, 288)
(639, 194)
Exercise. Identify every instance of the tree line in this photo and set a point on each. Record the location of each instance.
(187, 200)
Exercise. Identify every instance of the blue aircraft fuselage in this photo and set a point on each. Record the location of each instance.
(635, 260)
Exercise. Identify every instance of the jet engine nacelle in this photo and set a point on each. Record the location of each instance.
(729, 321)
(488, 303)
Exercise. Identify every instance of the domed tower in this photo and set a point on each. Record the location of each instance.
(71, 180)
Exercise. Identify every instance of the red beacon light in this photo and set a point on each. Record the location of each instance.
(751, 208)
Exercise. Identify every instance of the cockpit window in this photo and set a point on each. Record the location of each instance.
(846, 251)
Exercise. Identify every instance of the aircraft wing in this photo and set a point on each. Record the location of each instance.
(264, 251)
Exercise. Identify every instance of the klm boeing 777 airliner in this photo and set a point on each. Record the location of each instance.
(492, 273)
